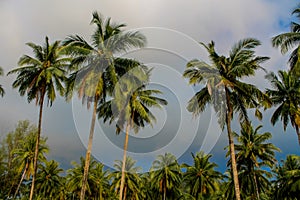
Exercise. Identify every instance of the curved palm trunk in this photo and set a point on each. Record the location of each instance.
(22, 178)
(37, 144)
(231, 147)
(88, 152)
(124, 162)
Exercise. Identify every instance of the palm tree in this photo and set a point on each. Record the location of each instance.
(49, 182)
(224, 88)
(2, 92)
(75, 180)
(25, 156)
(287, 182)
(130, 106)
(39, 77)
(166, 175)
(133, 182)
(201, 178)
(253, 153)
(99, 182)
(285, 94)
(95, 62)
(289, 40)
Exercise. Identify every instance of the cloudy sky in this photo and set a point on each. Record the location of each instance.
(172, 28)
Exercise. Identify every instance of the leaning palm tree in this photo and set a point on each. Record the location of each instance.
(24, 156)
(201, 178)
(224, 88)
(166, 175)
(253, 153)
(40, 76)
(95, 67)
(2, 92)
(290, 40)
(49, 181)
(130, 107)
(285, 95)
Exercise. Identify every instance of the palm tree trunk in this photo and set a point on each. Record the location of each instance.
(231, 146)
(37, 144)
(22, 178)
(88, 151)
(255, 183)
(124, 193)
(124, 162)
(165, 191)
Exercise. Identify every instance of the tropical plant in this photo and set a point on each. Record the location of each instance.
(224, 88)
(166, 176)
(287, 182)
(48, 181)
(2, 92)
(74, 177)
(130, 107)
(253, 152)
(285, 94)
(133, 182)
(201, 178)
(24, 156)
(100, 182)
(290, 40)
(94, 62)
(39, 77)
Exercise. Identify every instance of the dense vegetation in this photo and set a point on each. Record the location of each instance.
(166, 179)
(117, 90)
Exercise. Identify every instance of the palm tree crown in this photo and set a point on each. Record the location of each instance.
(201, 178)
(285, 95)
(289, 40)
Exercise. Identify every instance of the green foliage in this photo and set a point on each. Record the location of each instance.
(287, 182)
(285, 95)
(17, 153)
(43, 73)
(201, 179)
(288, 41)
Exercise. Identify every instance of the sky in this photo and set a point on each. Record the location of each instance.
(173, 29)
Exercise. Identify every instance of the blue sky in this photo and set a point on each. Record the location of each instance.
(173, 28)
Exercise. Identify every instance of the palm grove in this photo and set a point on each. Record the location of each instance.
(117, 90)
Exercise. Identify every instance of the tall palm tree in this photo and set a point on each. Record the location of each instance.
(130, 107)
(132, 186)
(166, 175)
(25, 156)
(285, 94)
(253, 153)
(2, 92)
(224, 88)
(290, 40)
(201, 178)
(49, 182)
(95, 64)
(287, 181)
(39, 76)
